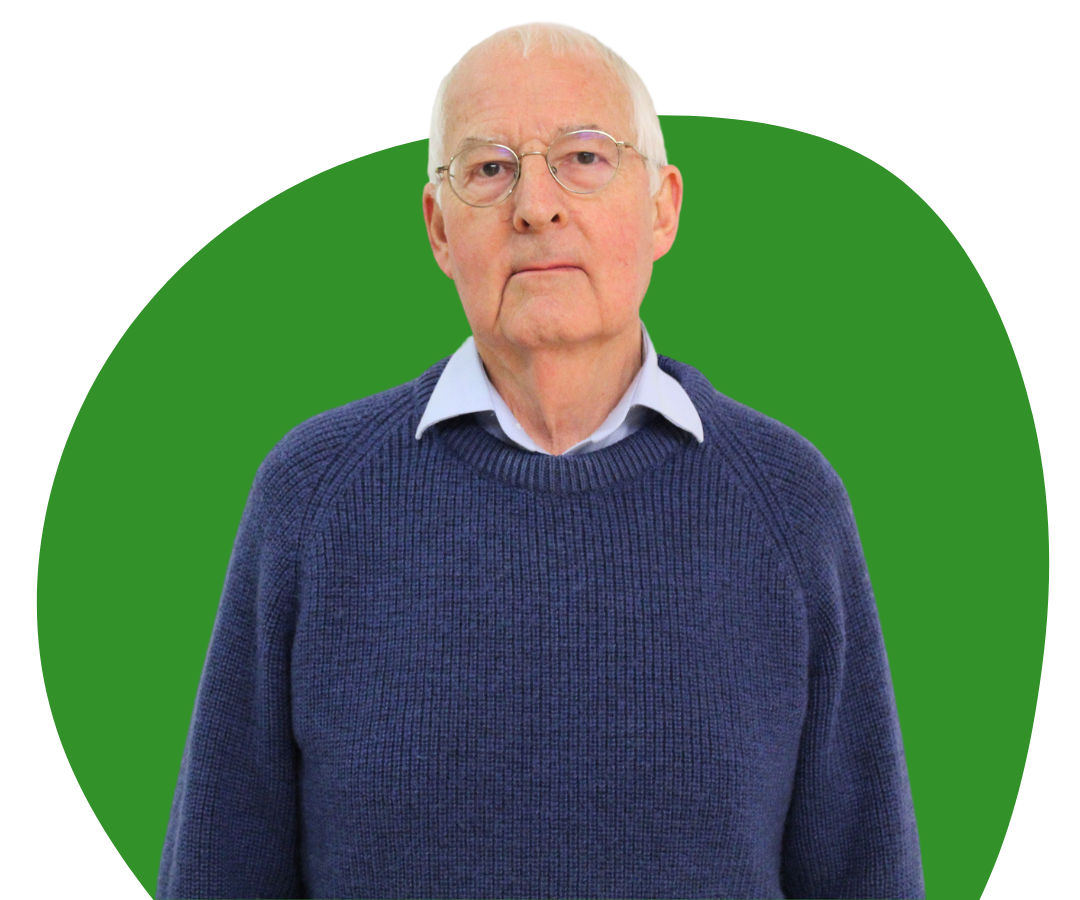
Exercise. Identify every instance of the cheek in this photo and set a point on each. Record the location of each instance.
(628, 246)
(472, 251)
(474, 264)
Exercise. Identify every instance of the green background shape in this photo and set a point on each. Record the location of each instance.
(807, 282)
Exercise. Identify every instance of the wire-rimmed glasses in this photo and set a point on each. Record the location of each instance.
(583, 162)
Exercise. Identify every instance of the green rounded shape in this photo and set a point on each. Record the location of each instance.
(806, 282)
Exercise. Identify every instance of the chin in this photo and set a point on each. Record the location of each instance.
(544, 319)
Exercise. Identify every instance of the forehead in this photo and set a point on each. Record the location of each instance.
(499, 95)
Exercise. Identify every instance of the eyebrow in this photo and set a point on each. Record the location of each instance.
(472, 140)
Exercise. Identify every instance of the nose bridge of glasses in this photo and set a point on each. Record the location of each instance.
(543, 153)
(521, 156)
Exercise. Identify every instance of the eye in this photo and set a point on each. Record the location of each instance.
(482, 174)
(584, 150)
(489, 170)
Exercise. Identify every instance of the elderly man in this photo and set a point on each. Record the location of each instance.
(556, 619)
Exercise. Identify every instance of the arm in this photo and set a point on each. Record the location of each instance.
(233, 829)
(851, 824)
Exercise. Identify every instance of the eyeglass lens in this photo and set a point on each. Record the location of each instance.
(582, 162)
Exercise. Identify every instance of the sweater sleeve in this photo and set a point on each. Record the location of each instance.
(233, 828)
(851, 828)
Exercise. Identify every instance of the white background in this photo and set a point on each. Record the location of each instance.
(134, 133)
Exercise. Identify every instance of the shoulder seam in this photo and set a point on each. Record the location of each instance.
(342, 463)
(768, 499)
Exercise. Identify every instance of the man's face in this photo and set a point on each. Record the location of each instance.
(548, 267)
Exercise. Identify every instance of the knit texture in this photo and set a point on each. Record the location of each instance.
(452, 668)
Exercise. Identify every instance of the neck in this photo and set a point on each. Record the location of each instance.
(561, 394)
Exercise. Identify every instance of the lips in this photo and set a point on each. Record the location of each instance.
(549, 267)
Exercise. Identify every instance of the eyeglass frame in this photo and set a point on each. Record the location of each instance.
(441, 170)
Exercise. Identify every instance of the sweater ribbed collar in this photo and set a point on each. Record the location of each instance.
(464, 387)
(645, 449)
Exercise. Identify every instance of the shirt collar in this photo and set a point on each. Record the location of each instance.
(464, 387)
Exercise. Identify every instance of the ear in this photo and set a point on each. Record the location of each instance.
(436, 230)
(668, 203)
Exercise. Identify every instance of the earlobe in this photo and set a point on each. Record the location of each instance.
(436, 231)
(668, 202)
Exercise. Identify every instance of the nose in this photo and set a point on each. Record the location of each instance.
(539, 201)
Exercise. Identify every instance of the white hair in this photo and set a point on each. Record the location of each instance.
(647, 139)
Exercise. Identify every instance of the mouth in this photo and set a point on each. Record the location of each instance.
(547, 267)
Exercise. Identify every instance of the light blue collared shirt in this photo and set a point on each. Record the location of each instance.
(464, 387)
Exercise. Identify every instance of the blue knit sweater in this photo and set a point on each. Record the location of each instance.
(453, 668)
